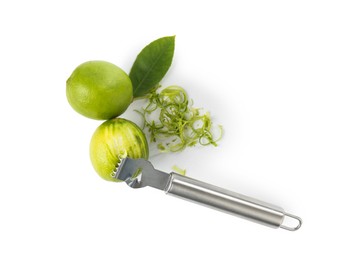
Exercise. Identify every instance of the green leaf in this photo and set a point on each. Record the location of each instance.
(151, 65)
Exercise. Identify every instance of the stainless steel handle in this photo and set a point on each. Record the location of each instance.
(228, 202)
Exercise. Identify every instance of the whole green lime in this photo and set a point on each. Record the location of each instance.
(113, 140)
(99, 90)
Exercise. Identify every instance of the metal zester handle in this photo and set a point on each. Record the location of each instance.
(228, 202)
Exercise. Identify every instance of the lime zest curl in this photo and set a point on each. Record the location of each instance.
(173, 124)
(179, 170)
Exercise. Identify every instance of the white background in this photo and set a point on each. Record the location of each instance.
(268, 71)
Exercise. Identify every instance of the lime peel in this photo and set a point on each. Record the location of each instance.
(173, 124)
(179, 170)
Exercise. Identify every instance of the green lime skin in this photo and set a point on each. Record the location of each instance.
(113, 140)
(99, 90)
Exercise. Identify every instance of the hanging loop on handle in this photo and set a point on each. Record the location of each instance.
(291, 217)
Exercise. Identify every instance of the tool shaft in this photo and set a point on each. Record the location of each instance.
(224, 200)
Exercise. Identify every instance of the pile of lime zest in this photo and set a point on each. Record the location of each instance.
(173, 124)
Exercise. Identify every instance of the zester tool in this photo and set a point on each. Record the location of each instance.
(138, 173)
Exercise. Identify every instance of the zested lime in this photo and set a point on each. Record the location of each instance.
(99, 90)
(114, 139)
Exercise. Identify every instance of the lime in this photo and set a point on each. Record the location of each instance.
(113, 140)
(99, 90)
